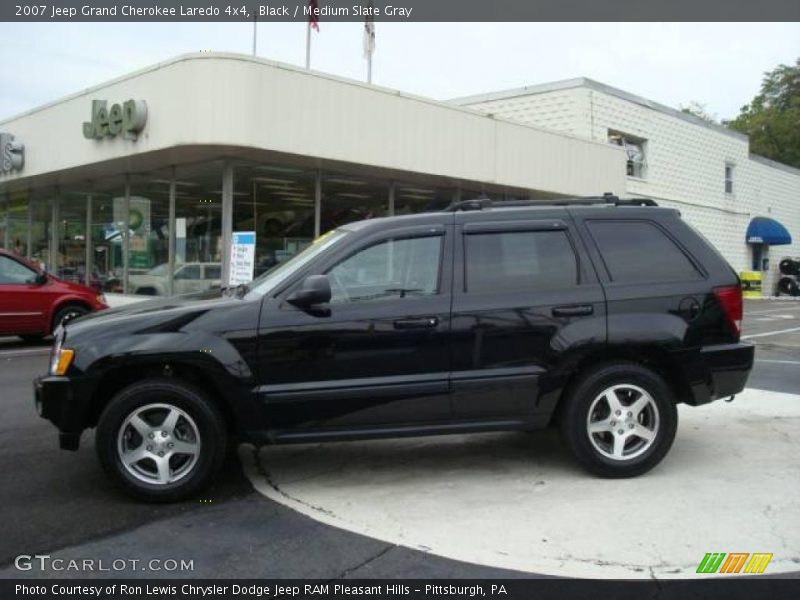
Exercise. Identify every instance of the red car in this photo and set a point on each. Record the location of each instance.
(33, 303)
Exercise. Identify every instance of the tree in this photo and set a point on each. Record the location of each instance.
(772, 119)
(698, 109)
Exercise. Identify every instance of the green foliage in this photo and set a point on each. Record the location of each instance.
(772, 119)
(698, 109)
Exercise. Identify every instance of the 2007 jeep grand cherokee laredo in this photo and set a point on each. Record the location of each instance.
(599, 315)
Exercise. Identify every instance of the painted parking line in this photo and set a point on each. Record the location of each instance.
(779, 362)
(768, 333)
(24, 352)
(518, 501)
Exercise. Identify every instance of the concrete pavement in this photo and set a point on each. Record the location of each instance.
(60, 503)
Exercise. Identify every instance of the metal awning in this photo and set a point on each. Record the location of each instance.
(763, 230)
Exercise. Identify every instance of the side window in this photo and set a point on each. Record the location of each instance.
(396, 268)
(188, 272)
(12, 272)
(640, 251)
(519, 260)
(213, 272)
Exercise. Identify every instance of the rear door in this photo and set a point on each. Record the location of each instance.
(23, 303)
(524, 297)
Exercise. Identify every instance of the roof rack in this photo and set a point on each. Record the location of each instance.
(605, 199)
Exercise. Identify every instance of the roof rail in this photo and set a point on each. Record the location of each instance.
(605, 199)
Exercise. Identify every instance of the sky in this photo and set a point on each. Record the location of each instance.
(719, 65)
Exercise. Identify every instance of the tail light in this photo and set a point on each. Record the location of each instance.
(730, 299)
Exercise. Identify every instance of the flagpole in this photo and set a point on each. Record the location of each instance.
(308, 45)
(255, 32)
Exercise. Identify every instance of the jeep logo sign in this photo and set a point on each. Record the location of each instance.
(127, 120)
(12, 154)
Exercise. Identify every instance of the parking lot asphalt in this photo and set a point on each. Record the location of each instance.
(60, 503)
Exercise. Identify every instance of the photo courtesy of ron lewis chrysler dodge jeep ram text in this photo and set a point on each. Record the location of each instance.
(597, 315)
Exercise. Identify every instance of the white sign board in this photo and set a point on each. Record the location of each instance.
(243, 257)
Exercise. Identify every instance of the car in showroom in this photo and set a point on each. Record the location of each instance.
(596, 315)
(33, 302)
(189, 277)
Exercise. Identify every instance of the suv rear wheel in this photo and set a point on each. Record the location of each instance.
(619, 419)
(161, 440)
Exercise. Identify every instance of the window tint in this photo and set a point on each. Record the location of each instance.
(519, 260)
(188, 272)
(213, 272)
(12, 272)
(640, 251)
(404, 268)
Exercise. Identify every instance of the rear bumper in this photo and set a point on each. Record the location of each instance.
(60, 401)
(718, 371)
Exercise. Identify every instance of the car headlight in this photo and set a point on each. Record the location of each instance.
(101, 298)
(60, 358)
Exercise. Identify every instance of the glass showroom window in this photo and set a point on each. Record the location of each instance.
(198, 227)
(148, 240)
(277, 203)
(106, 234)
(71, 239)
(36, 228)
(347, 198)
(4, 240)
(410, 198)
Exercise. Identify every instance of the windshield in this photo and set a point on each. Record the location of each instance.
(159, 270)
(266, 283)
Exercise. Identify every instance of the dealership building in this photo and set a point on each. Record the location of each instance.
(146, 183)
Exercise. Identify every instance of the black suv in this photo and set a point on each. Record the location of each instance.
(599, 315)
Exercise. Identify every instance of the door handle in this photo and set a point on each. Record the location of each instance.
(581, 310)
(421, 323)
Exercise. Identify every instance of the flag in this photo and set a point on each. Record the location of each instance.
(313, 21)
(369, 31)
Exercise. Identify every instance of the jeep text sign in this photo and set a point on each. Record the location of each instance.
(127, 120)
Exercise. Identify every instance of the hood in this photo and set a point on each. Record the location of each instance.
(75, 288)
(162, 314)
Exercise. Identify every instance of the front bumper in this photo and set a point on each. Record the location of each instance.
(719, 371)
(60, 401)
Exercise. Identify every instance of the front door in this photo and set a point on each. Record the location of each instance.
(377, 355)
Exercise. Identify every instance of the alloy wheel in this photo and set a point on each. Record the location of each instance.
(623, 422)
(158, 444)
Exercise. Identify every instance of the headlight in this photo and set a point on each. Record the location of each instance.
(101, 298)
(60, 358)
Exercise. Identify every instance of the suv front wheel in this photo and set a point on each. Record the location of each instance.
(161, 440)
(619, 419)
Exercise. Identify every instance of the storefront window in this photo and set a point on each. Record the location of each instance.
(347, 198)
(198, 228)
(37, 237)
(4, 243)
(148, 226)
(71, 258)
(277, 203)
(413, 198)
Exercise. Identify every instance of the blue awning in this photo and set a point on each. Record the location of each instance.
(763, 230)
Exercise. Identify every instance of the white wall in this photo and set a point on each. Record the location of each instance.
(234, 100)
(686, 164)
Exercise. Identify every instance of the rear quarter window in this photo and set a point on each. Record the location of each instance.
(641, 251)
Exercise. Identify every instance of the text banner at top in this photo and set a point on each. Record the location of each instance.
(402, 10)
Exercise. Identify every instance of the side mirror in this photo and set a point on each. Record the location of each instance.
(315, 289)
(41, 278)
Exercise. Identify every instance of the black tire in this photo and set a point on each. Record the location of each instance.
(69, 311)
(204, 417)
(638, 455)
